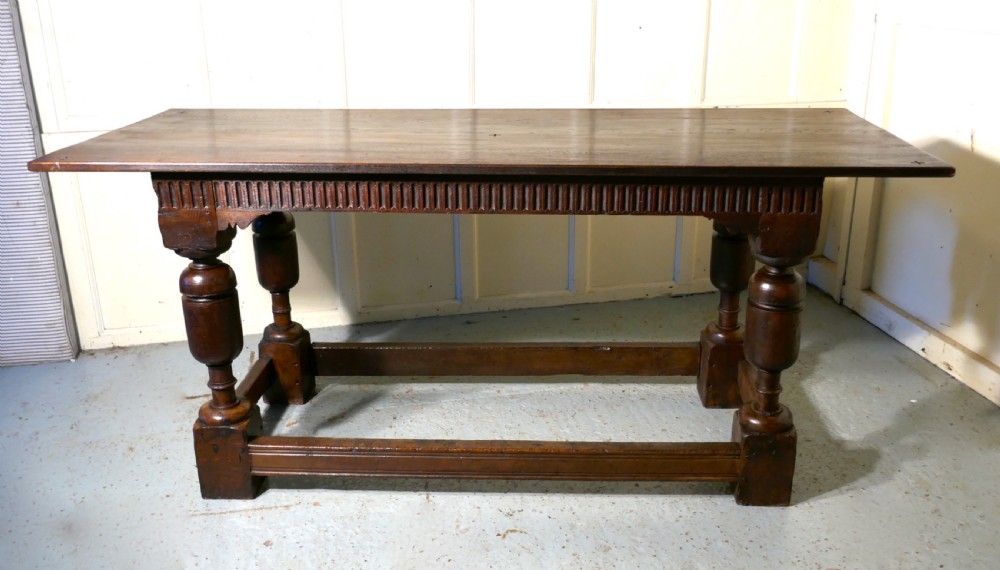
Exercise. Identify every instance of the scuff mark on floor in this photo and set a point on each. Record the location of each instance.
(237, 511)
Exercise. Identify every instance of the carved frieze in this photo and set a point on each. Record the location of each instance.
(240, 199)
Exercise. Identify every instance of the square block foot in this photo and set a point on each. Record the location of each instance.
(721, 354)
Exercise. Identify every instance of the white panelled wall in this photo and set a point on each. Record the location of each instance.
(101, 64)
(918, 258)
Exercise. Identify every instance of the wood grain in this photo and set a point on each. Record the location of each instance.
(260, 376)
(506, 359)
(551, 142)
(489, 459)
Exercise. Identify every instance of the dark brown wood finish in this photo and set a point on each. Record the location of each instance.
(284, 341)
(238, 202)
(763, 426)
(722, 341)
(467, 459)
(757, 172)
(215, 336)
(549, 142)
(259, 378)
(506, 359)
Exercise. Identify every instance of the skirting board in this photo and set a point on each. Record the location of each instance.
(968, 367)
(174, 332)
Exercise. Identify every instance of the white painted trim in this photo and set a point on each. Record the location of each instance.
(472, 51)
(581, 252)
(347, 248)
(527, 300)
(693, 244)
(133, 336)
(469, 259)
(641, 289)
(524, 296)
(824, 274)
(862, 235)
(702, 88)
(109, 338)
(592, 70)
(406, 310)
(44, 77)
(965, 365)
(794, 64)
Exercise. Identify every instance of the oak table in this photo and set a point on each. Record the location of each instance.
(757, 173)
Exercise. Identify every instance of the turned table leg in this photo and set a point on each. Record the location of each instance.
(215, 337)
(722, 341)
(763, 425)
(285, 341)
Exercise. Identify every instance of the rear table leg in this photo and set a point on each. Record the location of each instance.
(722, 341)
(285, 341)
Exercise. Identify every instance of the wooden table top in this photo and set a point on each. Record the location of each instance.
(490, 142)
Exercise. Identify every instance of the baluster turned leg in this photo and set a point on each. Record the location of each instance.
(763, 426)
(285, 341)
(215, 337)
(722, 341)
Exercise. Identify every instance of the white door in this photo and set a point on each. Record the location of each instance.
(924, 261)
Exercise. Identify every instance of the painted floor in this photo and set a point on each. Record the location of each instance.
(897, 464)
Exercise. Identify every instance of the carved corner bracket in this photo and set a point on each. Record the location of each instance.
(190, 221)
(784, 232)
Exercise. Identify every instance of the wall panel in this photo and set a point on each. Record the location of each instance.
(400, 53)
(522, 255)
(258, 56)
(404, 259)
(631, 252)
(778, 51)
(532, 54)
(112, 62)
(649, 52)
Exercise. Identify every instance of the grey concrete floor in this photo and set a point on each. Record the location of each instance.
(897, 464)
